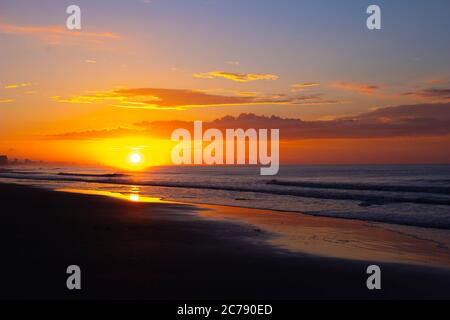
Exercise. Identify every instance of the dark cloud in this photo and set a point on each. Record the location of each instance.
(408, 120)
(398, 121)
(434, 94)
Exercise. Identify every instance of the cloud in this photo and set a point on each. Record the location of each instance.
(238, 77)
(18, 85)
(58, 34)
(180, 99)
(399, 121)
(91, 97)
(305, 85)
(437, 81)
(6, 100)
(94, 134)
(221, 91)
(360, 88)
(300, 87)
(433, 94)
(312, 99)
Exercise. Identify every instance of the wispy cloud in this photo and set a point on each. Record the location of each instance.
(432, 94)
(6, 100)
(58, 35)
(17, 85)
(180, 99)
(168, 99)
(238, 77)
(95, 134)
(299, 87)
(231, 92)
(437, 81)
(305, 85)
(360, 88)
(14, 29)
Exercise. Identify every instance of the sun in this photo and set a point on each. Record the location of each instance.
(134, 197)
(135, 158)
(132, 153)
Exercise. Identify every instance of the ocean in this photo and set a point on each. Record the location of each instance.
(417, 195)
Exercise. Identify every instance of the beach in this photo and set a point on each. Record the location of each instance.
(169, 250)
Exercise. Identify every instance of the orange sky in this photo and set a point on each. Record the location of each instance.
(82, 96)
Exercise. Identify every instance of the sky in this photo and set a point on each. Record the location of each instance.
(83, 96)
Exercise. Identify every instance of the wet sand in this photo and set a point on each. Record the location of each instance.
(139, 250)
(343, 238)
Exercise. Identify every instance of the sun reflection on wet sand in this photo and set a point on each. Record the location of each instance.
(133, 196)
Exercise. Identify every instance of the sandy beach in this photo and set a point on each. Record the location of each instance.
(160, 250)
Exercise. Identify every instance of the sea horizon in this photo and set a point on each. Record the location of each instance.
(417, 195)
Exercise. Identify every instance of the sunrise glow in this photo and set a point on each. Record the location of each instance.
(120, 97)
(135, 158)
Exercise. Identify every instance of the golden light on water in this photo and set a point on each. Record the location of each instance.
(133, 197)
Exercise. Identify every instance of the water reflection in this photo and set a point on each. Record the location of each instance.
(133, 196)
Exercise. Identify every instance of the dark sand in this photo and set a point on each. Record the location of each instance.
(167, 251)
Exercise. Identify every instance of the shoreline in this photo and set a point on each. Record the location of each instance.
(342, 238)
(418, 245)
(370, 219)
(178, 251)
